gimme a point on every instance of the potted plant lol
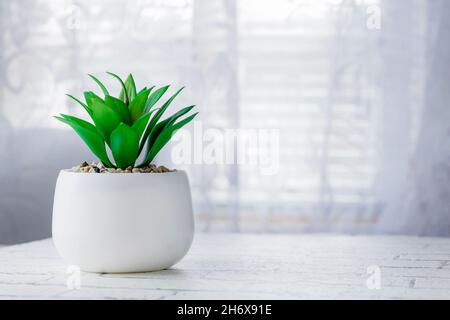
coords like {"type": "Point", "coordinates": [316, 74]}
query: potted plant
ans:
{"type": "Point", "coordinates": [124, 215]}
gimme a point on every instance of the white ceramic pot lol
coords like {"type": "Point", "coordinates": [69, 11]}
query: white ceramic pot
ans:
{"type": "Point", "coordinates": [122, 222]}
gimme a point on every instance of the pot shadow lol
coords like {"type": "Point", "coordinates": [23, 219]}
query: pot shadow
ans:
{"type": "Point", "coordinates": [170, 272]}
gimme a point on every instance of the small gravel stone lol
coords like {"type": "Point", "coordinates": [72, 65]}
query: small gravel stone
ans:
{"type": "Point", "coordinates": [164, 169]}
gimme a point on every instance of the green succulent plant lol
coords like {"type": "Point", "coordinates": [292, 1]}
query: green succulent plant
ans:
{"type": "Point", "coordinates": [127, 124]}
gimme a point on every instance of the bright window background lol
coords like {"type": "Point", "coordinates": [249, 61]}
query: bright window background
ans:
{"type": "Point", "coordinates": [309, 68]}
{"type": "Point", "coordinates": [350, 104]}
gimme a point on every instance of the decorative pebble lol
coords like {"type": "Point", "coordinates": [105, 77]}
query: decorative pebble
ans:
{"type": "Point", "coordinates": [164, 169]}
{"type": "Point", "coordinates": [95, 167]}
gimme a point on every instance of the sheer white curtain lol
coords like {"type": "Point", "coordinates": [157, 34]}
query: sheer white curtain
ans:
{"type": "Point", "coordinates": [356, 90]}
{"type": "Point", "coordinates": [422, 205]}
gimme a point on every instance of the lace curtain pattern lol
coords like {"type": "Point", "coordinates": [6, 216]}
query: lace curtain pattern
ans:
{"type": "Point", "coordinates": [356, 89]}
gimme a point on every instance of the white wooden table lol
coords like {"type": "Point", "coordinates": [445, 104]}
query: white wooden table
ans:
{"type": "Point", "coordinates": [234, 266]}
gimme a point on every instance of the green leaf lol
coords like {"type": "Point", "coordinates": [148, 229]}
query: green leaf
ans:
{"type": "Point", "coordinates": [165, 106]}
{"type": "Point", "coordinates": [80, 122]}
{"type": "Point", "coordinates": [130, 89]}
{"type": "Point", "coordinates": [165, 137]}
{"type": "Point", "coordinates": [124, 146]}
{"type": "Point", "coordinates": [88, 133]}
{"type": "Point", "coordinates": [89, 96]}
{"type": "Point", "coordinates": [155, 96]}
{"type": "Point", "coordinates": [120, 108]}
{"type": "Point", "coordinates": [105, 118]}
{"type": "Point", "coordinates": [145, 88]}
{"type": "Point", "coordinates": [84, 105]}
{"type": "Point", "coordinates": [140, 124]}
{"type": "Point", "coordinates": [105, 91]}
{"type": "Point", "coordinates": [126, 98]}
{"type": "Point", "coordinates": [164, 124]}
{"type": "Point", "coordinates": [158, 115]}
{"type": "Point", "coordinates": [137, 106]}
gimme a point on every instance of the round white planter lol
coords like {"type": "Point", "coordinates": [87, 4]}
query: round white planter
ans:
{"type": "Point", "coordinates": [122, 222]}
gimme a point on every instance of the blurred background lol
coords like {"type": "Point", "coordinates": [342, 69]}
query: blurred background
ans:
{"type": "Point", "coordinates": [359, 91]}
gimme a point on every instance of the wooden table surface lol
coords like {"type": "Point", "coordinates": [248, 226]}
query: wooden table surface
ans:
{"type": "Point", "coordinates": [248, 266]}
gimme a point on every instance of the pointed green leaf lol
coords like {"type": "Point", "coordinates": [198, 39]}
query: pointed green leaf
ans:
{"type": "Point", "coordinates": [89, 96]}
{"type": "Point", "coordinates": [137, 106]}
{"type": "Point", "coordinates": [80, 122]}
{"type": "Point", "coordinates": [124, 146]}
{"type": "Point", "coordinates": [105, 118]}
{"type": "Point", "coordinates": [140, 124]}
{"type": "Point", "coordinates": [165, 106]}
{"type": "Point", "coordinates": [90, 136]}
{"type": "Point", "coordinates": [158, 115]}
{"type": "Point", "coordinates": [126, 98]}
{"type": "Point", "coordinates": [155, 96]}
{"type": "Point", "coordinates": [130, 89]}
{"type": "Point", "coordinates": [145, 88]}
{"type": "Point", "coordinates": [159, 127]}
{"type": "Point", "coordinates": [84, 105]}
{"type": "Point", "coordinates": [105, 91]}
{"type": "Point", "coordinates": [120, 108]}
{"type": "Point", "coordinates": [165, 137]}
